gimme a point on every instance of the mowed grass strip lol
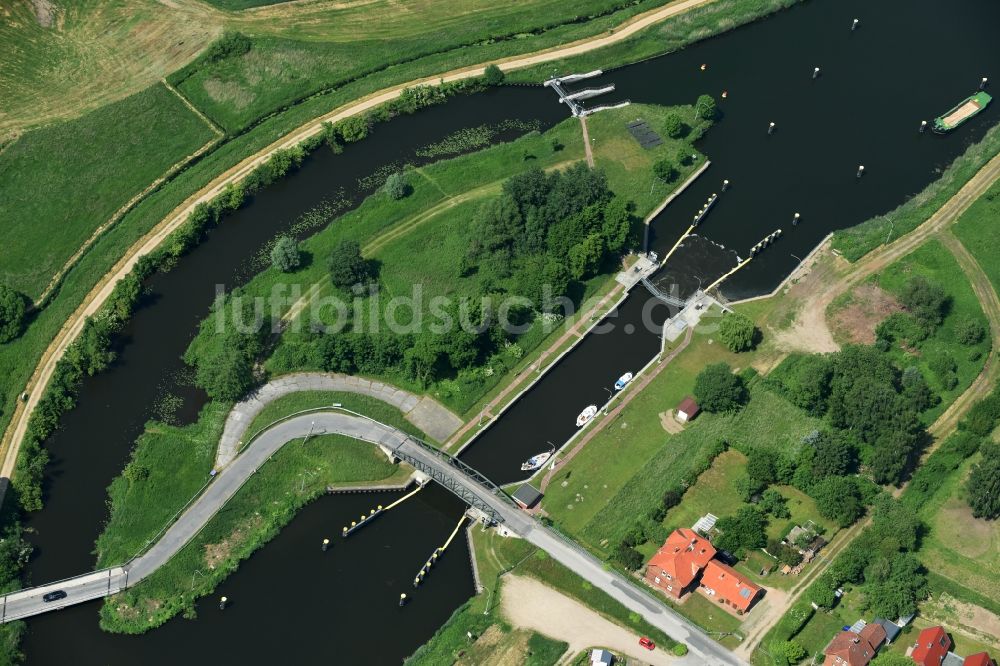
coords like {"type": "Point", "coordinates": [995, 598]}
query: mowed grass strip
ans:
{"type": "Point", "coordinates": [979, 231]}
{"type": "Point", "coordinates": [62, 182]}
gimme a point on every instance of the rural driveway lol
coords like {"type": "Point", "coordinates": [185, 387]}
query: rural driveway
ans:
{"type": "Point", "coordinates": [530, 604]}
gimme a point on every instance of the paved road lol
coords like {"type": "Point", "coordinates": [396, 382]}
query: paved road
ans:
{"type": "Point", "coordinates": [433, 418]}
{"type": "Point", "coordinates": [229, 481]}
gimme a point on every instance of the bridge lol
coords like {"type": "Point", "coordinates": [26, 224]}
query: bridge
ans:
{"type": "Point", "coordinates": [459, 478]}
{"type": "Point", "coordinates": [663, 296]}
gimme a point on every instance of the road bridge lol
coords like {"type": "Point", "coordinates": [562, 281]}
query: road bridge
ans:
{"type": "Point", "coordinates": [455, 475]}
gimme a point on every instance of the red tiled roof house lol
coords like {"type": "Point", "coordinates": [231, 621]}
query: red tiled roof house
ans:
{"type": "Point", "coordinates": [676, 565]}
{"type": "Point", "coordinates": [931, 647]}
{"type": "Point", "coordinates": [727, 586]}
{"type": "Point", "coordinates": [979, 659]}
{"type": "Point", "coordinates": [855, 649]}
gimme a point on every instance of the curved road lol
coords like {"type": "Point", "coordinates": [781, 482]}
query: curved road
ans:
{"type": "Point", "coordinates": [703, 650]}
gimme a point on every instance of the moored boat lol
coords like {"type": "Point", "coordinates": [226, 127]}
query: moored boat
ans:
{"type": "Point", "coordinates": [534, 462]}
{"type": "Point", "coordinates": [961, 112]}
{"type": "Point", "coordinates": [623, 381]}
{"type": "Point", "coordinates": [586, 415]}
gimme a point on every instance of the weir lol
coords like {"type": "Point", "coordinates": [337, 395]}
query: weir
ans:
{"type": "Point", "coordinates": [570, 99]}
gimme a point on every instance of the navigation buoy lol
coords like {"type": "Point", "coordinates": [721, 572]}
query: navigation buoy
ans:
{"type": "Point", "coordinates": [704, 67]}
{"type": "Point", "coordinates": [854, 26]}
{"type": "Point", "coordinates": [326, 544]}
{"type": "Point", "coordinates": [402, 599]}
{"type": "Point", "coordinates": [923, 125]}
{"type": "Point", "coordinates": [795, 219]}
{"type": "Point", "coordinates": [725, 94]}
{"type": "Point", "coordinates": [222, 603]}
{"type": "Point", "coordinates": [861, 170]}
{"type": "Point", "coordinates": [725, 185]}
{"type": "Point", "coordinates": [770, 128]}
{"type": "Point", "coordinates": [982, 84]}
{"type": "Point", "coordinates": [815, 72]}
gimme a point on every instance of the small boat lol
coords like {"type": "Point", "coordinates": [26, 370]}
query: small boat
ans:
{"type": "Point", "coordinates": [534, 462]}
{"type": "Point", "coordinates": [585, 416]}
{"type": "Point", "coordinates": [623, 380]}
{"type": "Point", "coordinates": [962, 111]}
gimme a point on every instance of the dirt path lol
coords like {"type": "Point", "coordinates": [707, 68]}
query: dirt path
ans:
{"type": "Point", "coordinates": [588, 151]}
{"type": "Point", "coordinates": [811, 323]}
{"type": "Point", "coordinates": [530, 604]}
{"type": "Point", "coordinates": [39, 380]}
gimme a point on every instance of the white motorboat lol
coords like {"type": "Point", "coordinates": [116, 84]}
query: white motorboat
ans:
{"type": "Point", "coordinates": [623, 381]}
{"type": "Point", "coordinates": [534, 462]}
{"type": "Point", "coordinates": [585, 416]}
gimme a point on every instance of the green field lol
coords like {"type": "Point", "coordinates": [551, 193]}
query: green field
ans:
{"type": "Point", "coordinates": [62, 182]}
{"type": "Point", "coordinates": [768, 421]}
{"type": "Point", "coordinates": [935, 262]}
{"type": "Point", "coordinates": [979, 231]}
{"type": "Point", "coordinates": [295, 475]}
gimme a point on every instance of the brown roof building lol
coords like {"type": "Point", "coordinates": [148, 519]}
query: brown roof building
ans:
{"type": "Point", "coordinates": [854, 649]}
{"type": "Point", "coordinates": [727, 586]}
{"type": "Point", "coordinates": [676, 565]}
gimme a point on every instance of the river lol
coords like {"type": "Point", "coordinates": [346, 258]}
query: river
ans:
{"type": "Point", "coordinates": [905, 63]}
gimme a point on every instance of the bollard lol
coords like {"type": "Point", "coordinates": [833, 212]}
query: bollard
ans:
{"type": "Point", "coordinates": [982, 84]}
{"type": "Point", "coordinates": [345, 531]}
{"type": "Point", "coordinates": [371, 513]}
{"type": "Point", "coordinates": [222, 603]}
{"type": "Point", "coordinates": [815, 72]}
{"type": "Point", "coordinates": [923, 125]}
{"type": "Point", "coordinates": [795, 219]}
{"type": "Point", "coordinates": [854, 26]}
{"type": "Point", "coordinates": [326, 544]}
{"type": "Point", "coordinates": [725, 185]}
{"type": "Point", "coordinates": [861, 170]}
{"type": "Point", "coordinates": [402, 599]}
{"type": "Point", "coordinates": [770, 128]}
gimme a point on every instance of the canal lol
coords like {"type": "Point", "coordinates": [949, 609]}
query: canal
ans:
{"type": "Point", "coordinates": [291, 602]}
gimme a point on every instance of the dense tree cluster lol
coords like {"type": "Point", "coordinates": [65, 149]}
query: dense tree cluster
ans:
{"type": "Point", "coordinates": [545, 231]}
{"type": "Point", "coordinates": [347, 266]}
{"type": "Point", "coordinates": [741, 532]}
{"type": "Point", "coordinates": [983, 485]}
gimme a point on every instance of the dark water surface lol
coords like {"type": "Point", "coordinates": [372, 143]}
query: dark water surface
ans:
{"type": "Point", "coordinates": [909, 61]}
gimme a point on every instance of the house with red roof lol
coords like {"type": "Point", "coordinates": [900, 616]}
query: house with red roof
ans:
{"type": "Point", "coordinates": [979, 659]}
{"type": "Point", "coordinates": [855, 649]}
{"type": "Point", "coordinates": [931, 647]}
{"type": "Point", "coordinates": [676, 565]}
{"type": "Point", "coordinates": [727, 586]}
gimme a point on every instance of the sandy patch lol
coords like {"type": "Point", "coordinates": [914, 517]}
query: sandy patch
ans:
{"type": "Point", "coordinates": [669, 423]}
{"type": "Point", "coordinates": [969, 619]}
{"type": "Point", "coordinates": [855, 322]}
{"type": "Point", "coordinates": [45, 12]}
{"type": "Point", "coordinates": [495, 648]}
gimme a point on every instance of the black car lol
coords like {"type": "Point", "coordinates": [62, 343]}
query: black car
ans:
{"type": "Point", "coordinates": [53, 596]}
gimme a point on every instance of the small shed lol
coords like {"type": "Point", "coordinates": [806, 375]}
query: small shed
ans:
{"type": "Point", "coordinates": [687, 410]}
{"type": "Point", "coordinates": [527, 496]}
{"type": "Point", "coordinates": [600, 657]}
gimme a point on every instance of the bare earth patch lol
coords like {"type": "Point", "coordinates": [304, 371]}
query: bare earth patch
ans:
{"type": "Point", "coordinates": [495, 648]}
{"type": "Point", "coordinates": [868, 305]}
{"type": "Point", "coordinates": [217, 553]}
{"type": "Point", "coordinates": [974, 621]}
{"type": "Point", "coordinates": [669, 423]}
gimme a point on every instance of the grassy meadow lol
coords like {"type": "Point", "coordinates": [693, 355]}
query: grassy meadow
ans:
{"type": "Point", "coordinates": [62, 182]}
{"type": "Point", "coordinates": [979, 231]}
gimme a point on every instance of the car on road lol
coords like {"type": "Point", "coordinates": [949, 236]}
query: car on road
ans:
{"type": "Point", "coordinates": [646, 643]}
{"type": "Point", "coordinates": [55, 595]}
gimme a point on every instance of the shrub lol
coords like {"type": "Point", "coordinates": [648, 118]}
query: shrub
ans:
{"type": "Point", "coordinates": [679, 650]}
{"type": "Point", "coordinates": [927, 301]}
{"type": "Point", "coordinates": [665, 171]}
{"type": "Point", "coordinates": [230, 44]}
{"type": "Point", "coordinates": [983, 486]}
{"type": "Point", "coordinates": [737, 332]}
{"type": "Point", "coordinates": [347, 266]}
{"type": "Point", "coordinates": [396, 186]}
{"type": "Point", "coordinates": [493, 75]}
{"type": "Point", "coordinates": [742, 532]}
{"type": "Point", "coordinates": [12, 312]}
{"type": "Point", "coordinates": [628, 557]}
{"type": "Point", "coordinates": [285, 254]}
{"type": "Point", "coordinates": [706, 107]}
{"type": "Point", "coordinates": [717, 389]}
{"type": "Point", "coordinates": [673, 126]}
{"type": "Point", "coordinates": [969, 330]}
